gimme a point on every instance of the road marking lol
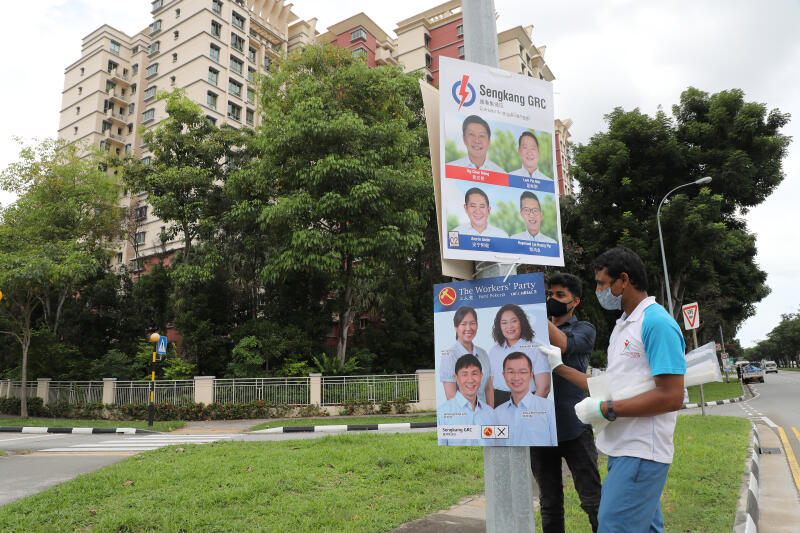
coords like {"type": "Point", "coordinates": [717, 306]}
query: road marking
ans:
{"type": "Point", "coordinates": [796, 433]}
{"type": "Point", "coordinates": [25, 438]}
{"type": "Point", "coordinates": [769, 422]}
{"type": "Point", "coordinates": [75, 454]}
{"type": "Point", "coordinates": [138, 444]}
{"type": "Point", "coordinates": [787, 448]}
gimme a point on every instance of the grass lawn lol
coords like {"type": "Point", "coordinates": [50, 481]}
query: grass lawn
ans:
{"type": "Point", "coordinates": [790, 369]}
{"type": "Point", "coordinates": [716, 390]}
{"type": "Point", "coordinates": [353, 483]}
{"type": "Point", "coordinates": [64, 423]}
{"type": "Point", "coordinates": [344, 420]}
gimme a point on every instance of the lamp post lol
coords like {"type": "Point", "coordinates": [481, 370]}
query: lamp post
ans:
{"type": "Point", "coordinates": [701, 181]}
{"type": "Point", "coordinates": [154, 337]}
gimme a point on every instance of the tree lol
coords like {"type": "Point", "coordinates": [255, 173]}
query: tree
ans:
{"type": "Point", "coordinates": [344, 149]}
{"type": "Point", "coordinates": [625, 172]}
{"type": "Point", "coordinates": [57, 234]}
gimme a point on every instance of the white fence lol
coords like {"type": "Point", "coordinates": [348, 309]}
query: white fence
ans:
{"type": "Point", "coordinates": [176, 392]}
{"type": "Point", "coordinates": [291, 391]}
{"type": "Point", "coordinates": [75, 392]}
{"type": "Point", "coordinates": [375, 389]}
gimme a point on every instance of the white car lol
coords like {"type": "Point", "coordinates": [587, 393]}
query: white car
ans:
{"type": "Point", "coordinates": [770, 366]}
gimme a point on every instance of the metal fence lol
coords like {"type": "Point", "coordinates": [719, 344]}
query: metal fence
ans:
{"type": "Point", "coordinates": [16, 389]}
{"type": "Point", "coordinates": [377, 389]}
{"type": "Point", "coordinates": [75, 392]}
{"type": "Point", "coordinates": [177, 392]}
{"type": "Point", "coordinates": [292, 391]}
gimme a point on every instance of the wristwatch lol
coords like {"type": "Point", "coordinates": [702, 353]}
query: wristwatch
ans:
{"type": "Point", "coordinates": [610, 415]}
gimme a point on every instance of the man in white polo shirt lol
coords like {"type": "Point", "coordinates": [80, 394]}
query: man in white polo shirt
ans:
{"type": "Point", "coordinates": [476, 205]}
{"type": "Point", "coordinates": [646, 341]}
{"type": "Point", "coordinates": [477, 137]}
{"type": "Point", "coordinates": [529, 153]}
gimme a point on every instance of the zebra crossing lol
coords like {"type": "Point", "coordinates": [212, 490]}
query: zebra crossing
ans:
{"type": "Point", "coordinates": [137, 444]}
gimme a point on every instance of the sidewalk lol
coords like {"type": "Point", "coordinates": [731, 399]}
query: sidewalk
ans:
{"type": "Point", "coordinates": [778, 503]}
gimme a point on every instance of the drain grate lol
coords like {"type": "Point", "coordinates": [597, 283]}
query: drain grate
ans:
{"type": "Point", "coordinates": [771, 450]}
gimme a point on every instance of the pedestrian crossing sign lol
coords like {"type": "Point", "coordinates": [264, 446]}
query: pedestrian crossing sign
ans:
{"type": "Point", "coordinates": [162, 346]}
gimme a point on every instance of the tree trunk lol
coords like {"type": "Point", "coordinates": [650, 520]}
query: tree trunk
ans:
{"type": "Point", "coordinates": [345, 315]}
{"type": "Point", "coordinates": [26, 342]}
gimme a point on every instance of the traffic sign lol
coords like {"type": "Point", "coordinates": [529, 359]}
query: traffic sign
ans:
{"type": "Point", "coordinates": [691, 316]}
{"type": "Point", "coordinates": [162, 346]}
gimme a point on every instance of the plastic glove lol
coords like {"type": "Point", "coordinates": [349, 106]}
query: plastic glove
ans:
{"type": "Point", "coordinates": [553, 356]}
{"type": "Point", "coordinates": [588, 411]}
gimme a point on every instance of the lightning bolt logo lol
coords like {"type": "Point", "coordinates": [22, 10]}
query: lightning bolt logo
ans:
{"type": "Point", "coordinates": [462, 91]}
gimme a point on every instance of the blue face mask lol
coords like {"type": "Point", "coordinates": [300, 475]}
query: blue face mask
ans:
{"type": "Point", "coordinates": [608, 300]}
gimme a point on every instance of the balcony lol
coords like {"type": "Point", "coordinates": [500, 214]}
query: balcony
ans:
{"type": "Point", "coordinates": [118, 96]}
{"type": "Point", "coordinates": [114, 137]}
{"type": "Point", "coordinates": [119, 117]}
{"type": "Point", "coordinates": [116, 76]}
{"type": "Point", "coordinates": [383, 56]}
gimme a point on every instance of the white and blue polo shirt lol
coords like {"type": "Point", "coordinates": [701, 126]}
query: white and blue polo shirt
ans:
{"type": "Point", "coordinates": [646, 343]}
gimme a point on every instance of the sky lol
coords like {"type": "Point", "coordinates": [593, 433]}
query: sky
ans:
{"type": "Point", "coordinates": [604, 54]}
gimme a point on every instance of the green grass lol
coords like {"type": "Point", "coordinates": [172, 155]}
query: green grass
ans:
{"type": "Point", "coordinates": [716, 390]}
{"type": "Point", "coordinates": [348, 483]}
{"type": "Point", "coordinates": [336, 420]}
{"type": "Point", "coordinates": [789, 369]}
{"type": "Point", "coordinates": [65, 423]}
{"type": "Point", "coordinates": [703, 483]}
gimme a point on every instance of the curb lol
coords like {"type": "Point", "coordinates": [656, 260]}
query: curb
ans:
{"type": "Point", "coordinates": [717, 402]}
{"type": "Point", "coordinates": [348, 427]}
{"type": "Point", "coordinates": [75, 431]}
{"type": "Point", "coordinates": [748, 501]}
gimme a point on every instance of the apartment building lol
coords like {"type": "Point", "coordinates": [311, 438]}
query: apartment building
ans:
{"type": "Point", "coordinates": [364, 38]}
{"type": "Point", "coordinates": [212, 49]}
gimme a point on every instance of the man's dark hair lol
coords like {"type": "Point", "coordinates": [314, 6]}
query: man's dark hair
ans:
{"type": "Point", "coordinates": [467, 360]}
{"type": "Point", "coordinates": [530, 195]}
{"type": "Point", "coordinates": [475, 190]}
{"type": "Point", "coordinates": [461, 312]}
{"type": "Point", "coordinates": [570, 282]}
{"type": "Point", "coordinates": [517, 355]}
{"type": "Point", "coordinates": [528, 134]}
{"type": "Point", "coordinates": [621, 259]}
{"type": "Point", "coordinates": [475, 119]}
{"type": "Point", "coordinates": [526, 331]}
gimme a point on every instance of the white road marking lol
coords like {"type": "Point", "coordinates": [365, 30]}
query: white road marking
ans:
{"type": "Point", "coordinates": [140, 444]}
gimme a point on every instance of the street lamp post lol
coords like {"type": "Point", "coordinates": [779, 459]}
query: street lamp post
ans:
{"type": "Point", "coordinates": [154, 337]}
{"type": "Point", "coordinates": [701, 181]}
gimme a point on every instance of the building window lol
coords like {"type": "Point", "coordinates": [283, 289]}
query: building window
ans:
{"type": "Point", "coordinates": [80, 90]}
{"type": "Point", "coordinates": [235, 88]}
{"type": "Point", "coordinates": [155, 47]}
{"type": "Point", "coordinates": [78, 110]}
{"type": "Point", "coordinates": [237, 42]}
{"type": "Point", "coordinates": [141, 212]}
{"type": "Point", "coordinates": [460, 30]}
{"type": "Point", "coordinates": [359, 52]}
{"type": "Point", "coordinates": [75, 130]}
{"type": "Point", "coordinates": [172, 81]}
{"type": "Point", "coordinates": [211, 120]}
{"type": "Point", "coordinates": [428, 60]}
{"type": "Point", "coordinates": [135, 68]}
{"type": "Point", "coordinates": [250, 116]}
{"type": "Point", "coordinates": [135, 49]}
{"type": "Point", "coordinates": [119, 257]}
{"type": "Point", "coordinates": [157, 4]}
{"type": "Point", "coordinates": [238, 20]}
{"type": "Point", "coordinates": [427, 41]}
{"type": "Point", "coordinates": [234, 111]}
{"type": "Point", "coordinates": [150, 92]}
{"type": "Point", "coordinates": [176, 34]}
{"type": "Point", "coordinates": [175, 58]}
{"type": "Point", "coordinates": [177, 13]}
{"type": "Point", "coordinates": [267, 62]}
{"type": "Point", "coordinates": [81, 71]}
{"type": "Point", "coordinates": [131, 108]}
{"type": "Point", "coordinates": [155, 26]}
{"type": "Point", "coordinates": [251, 96]}
{"type": "Point", "coordinates": [461, 51]}
{"type": "Point", "coordinates": [216, 29]}
{"type": "Point", "coordinates": [133, 89]}
{"type": "Point", "coordinates": [148, 115]}
{"type": "Point", "coordinates": [115, 48]}
{"type": "Point", "coordinates": [152, 70]}
{"type": "Point", "coordinates": [358, 34]}
{"type": "Point", "coordinates": [251, 75]}
{"type": "Point", "coordinates": [128, 148]}
{"type": "Point", "coordinates": [363, 322]}
{"type": "Point", "coordinates": [213, 53]}
{"type": "Point", "coordinates": [211, 100]}
{"type": "Point", "coordinates": [105, 126]}
{"type": "Point", "coordinates": [130, 129]}
{"type": "Point", "coordinates": [139, 237]}
{"type": "Point", "coordinates": [251, 54]}
{"type": "Point", "coordinates": [147, 160]}
{"type": "Point", "coordinates": [213, 76]}
{"type": "Point", "coordinates": [237, 65]}
{"type": "Point", "coordinates": [216, 6]}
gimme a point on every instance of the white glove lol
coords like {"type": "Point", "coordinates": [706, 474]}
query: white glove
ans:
{"type": "Point", "coordinates": [553, 354]}
{"type": "Point", "coordinates": [588, 411]}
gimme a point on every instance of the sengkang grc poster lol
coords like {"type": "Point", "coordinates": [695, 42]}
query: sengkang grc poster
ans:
{"type": "Point", "coordinates": [498, 166]}
{"type": "Point", "coordinates": [493, 384]}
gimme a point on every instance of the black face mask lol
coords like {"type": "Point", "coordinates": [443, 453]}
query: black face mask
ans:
{"type": "Point", "coordinates": [556, 308]}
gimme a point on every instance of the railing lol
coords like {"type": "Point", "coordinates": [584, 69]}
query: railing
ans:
{"type": "Point", "coordinates": [120, 96]}
{"type": "Point", "coordinates": [376, 389]}
{"type": "Point", "coordinates": [177, 392]}
{"type": "Point", "coordinates": [115, 74]}
{"type": "Point", "coordinates": [16, 389]}
{"type": "Point", "coordinates": [114, 136]}
{"type": "Point", "coordinates": [118, 116]}
{"type": "Point", "coordinates": [292, 391]}
{"type": "Point", "coordinates": [75, 392]}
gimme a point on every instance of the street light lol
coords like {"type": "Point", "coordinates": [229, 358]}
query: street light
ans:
{"type": "Point", "coordinates": [701, 181]}
{"type": "Point", "coordinates": [154, 338]}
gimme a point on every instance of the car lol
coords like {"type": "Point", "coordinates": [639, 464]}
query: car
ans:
{"type": "Point", "coordinates": [770, 366]}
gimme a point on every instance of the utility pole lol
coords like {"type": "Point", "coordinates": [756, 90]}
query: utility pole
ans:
{"type": "Point", "coordinates": [507, 477]}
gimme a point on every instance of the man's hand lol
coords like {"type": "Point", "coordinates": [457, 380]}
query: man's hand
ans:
{"type": "Point", "coordinates": [553, 354]}
{"type": "Point", "coordinates": [588, 411]}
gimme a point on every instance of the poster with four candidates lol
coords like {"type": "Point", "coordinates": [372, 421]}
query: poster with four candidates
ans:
{"type": "Point", "coordinates": [493, 385]}
{"type": "Point", "coordinates": [499, 195]}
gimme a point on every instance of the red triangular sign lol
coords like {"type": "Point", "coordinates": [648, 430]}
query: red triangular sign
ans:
{"type": "Point", "coordinates": [690, 313]}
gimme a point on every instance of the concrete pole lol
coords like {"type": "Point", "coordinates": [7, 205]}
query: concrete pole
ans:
{"type": "Point", "coordinates": [507, 478]}
{"type": "Point", "coordinates": [702, 397]}
{"type": "Point", "coordinates": [722, 340]}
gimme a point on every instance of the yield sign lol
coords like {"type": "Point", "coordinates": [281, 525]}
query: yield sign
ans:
{"type": "Point", "coordinates": [691, 316]}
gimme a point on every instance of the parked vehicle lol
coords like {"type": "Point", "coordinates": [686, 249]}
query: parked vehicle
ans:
{"type": "Point", "coordinates": [770, 366]}
{"type": "Point", "coordinates": [749, 372]}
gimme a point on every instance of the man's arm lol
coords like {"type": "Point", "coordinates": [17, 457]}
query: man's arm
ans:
{"type": "Point", "coordinates": [665, 398]}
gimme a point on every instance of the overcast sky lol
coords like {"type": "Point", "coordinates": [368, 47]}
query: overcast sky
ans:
{"type": "Point", "coordinates": [603, 53]}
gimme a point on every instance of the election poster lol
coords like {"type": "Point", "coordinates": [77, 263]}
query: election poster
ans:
{"type": "Point", "coordinates": [498, 166]}
{"type": "Point", "coordinates": [493, 384]}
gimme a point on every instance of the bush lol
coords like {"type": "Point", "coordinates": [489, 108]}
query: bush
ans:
{"type": "Point", "coordinates": [357, 407]}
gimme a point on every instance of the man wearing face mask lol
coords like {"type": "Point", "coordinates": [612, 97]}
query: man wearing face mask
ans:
{"type": "Point", "coordinates": [574, 340]}
{"type": "Point", "coordinates": [646, 341]}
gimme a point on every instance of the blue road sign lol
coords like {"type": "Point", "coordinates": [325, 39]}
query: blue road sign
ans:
{"type": "Point", "coordinates": [162, 346]}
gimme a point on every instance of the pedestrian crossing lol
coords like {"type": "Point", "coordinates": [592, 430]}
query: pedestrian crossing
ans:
{"type": "Point", "coordinates": [137, 444]}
